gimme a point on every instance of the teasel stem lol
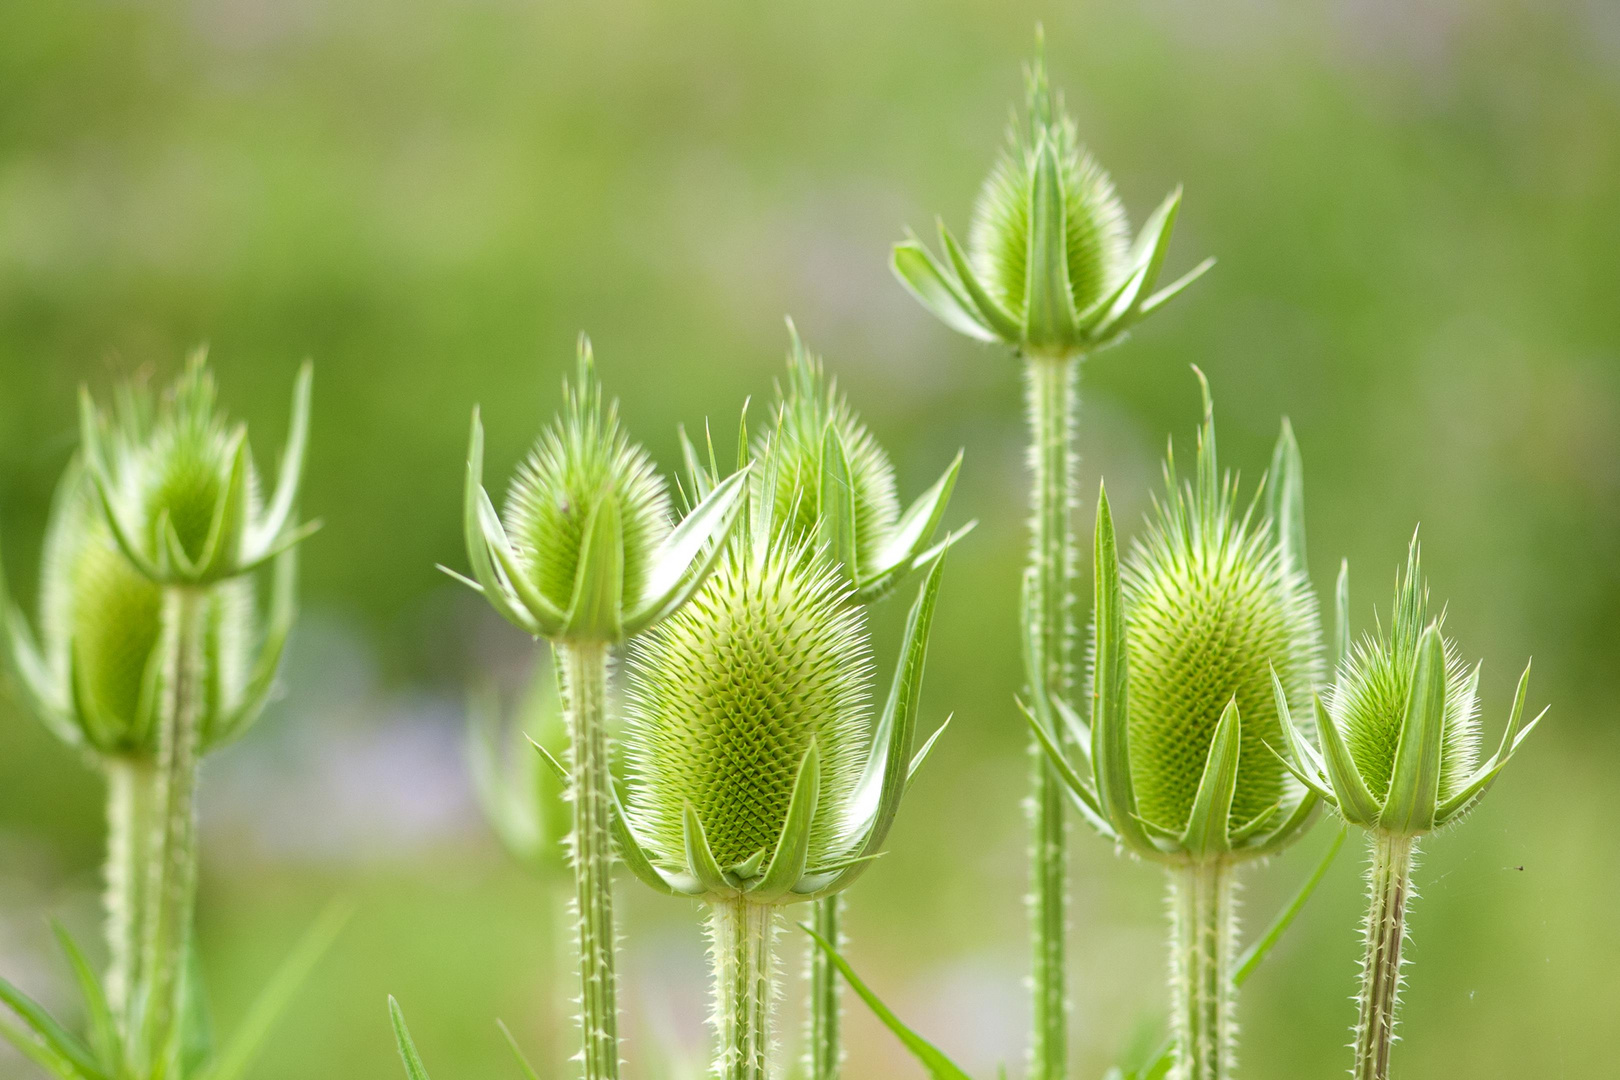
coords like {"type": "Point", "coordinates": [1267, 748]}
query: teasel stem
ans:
{"type": "Point", "coordinates": [742, 939]}
{"type": "Point", "coordinates": [825, 1053]}
{"type": "Point", "coordinates": [132, 789]}
{"type": "Point", "coordinates": [172, 874]}
{"type": "Point", "coordinates": [1203, 918]}
{"type": "Point", "coordinates": [583, 672]}
{"type": "Point", "coordinates": [1052, 394]}
{"type": "Point", "coordinates": [1389, 889]}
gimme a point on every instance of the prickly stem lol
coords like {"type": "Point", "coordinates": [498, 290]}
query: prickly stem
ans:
{"type": "Point", "coordinates": [742, 938]}
{"type": "Point", "coordinates": [824, 1046]}
{"type": "Point", "coordinates": [583, 682]}
{"type": "Point", "coordinates": [132, 788]}
{"type": "Point", "coordinates": [1203, 917]}
{"type": "Point", "coordinates": [171, 887]}
{"type": "Point", "coordinates": [1052, 401]}
{"type": "Point", "coordinates": [1389, 889]}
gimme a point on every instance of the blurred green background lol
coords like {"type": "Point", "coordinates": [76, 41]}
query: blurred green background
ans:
{"type": "Point", "coordinates": [1416, 207]}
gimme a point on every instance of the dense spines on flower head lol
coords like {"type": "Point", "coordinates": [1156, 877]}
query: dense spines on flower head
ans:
{"type": "Point", "coordinates": [729, 694]}
{"type": "Point", "coordinates": [810, 410]}
{"type": "Point", "coordinates": [583, 461]}
{"type": "Point", "coordinates": [1211, 609]}
{"type": "Point", "coordinates": [187, 466]}
{"type": "Point", "coordinates": [1096, 231]}
{"type": "Point", "coordinates": [1368, 701]}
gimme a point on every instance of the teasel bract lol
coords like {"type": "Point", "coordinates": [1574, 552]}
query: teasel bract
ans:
{"type": "Point", "coordinates": [586, 557]}
{"type": "Point", "coordinates": [823, 482]}
{"type": "Point", "coordinates": [1210, 629]}
{"type": "Point", "coordinates": [1052, 273]}
{"type": "Point", "coordinates": [1399, 758]}
{"type": "Point", "coordinates": [153, 652]}
{"type": "Point", "coordinates": [758, 777]}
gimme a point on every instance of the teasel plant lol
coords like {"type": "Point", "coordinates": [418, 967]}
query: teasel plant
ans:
{"type": "Point", "coordinates": [1208, 631]}
{"type": "Point", "coordinates": [154, 652]}
{"type": "Point", "coordinates": [1396, 755]}
{"type": "Point", "coordinates": [586, 557]}
{"type": "Point", "coordinates": [1051, 272]}
{"type": "Point", "coordinates": [757, 775]}
{"type": "Point", "coordinates": [824, 483]}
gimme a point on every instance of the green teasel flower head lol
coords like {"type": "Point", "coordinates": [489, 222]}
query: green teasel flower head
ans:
{"type": "Point", "coordinates": [586, 551]}
{"type": "Point", "coordinates": [177, 483]}
{"type": "Point", "coordinates": [1400, 734]}
{"type": "Point", "coordinates": [1211, 603]}
{"type": "Point", "coordinates": [1050, 268]}
{"type": "Point", "coordinates": [96, 675]}
{"type": "Point", "coordinates": [823, 480]}
{"type": "Point", "coordinates": [757, 770]}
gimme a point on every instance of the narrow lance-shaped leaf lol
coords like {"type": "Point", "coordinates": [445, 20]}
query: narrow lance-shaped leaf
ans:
{"type": "Point", "coordinates": [1049, 318]}
{"type": "Point", "coordinates": [994, 315]}
{"type": "Point", "coordinates": [414, 1069]}
{"type": "Point", "coordinates": [1354, 800]}
{"type": "Point", "coordinates": [793, 847]}
{"type": "Point", "coordinates": [478, 551]}
{"type": "Point", "coordinates": [1414, 786]}
{"type": "Point", "coordinates": [837, 496]}
{"type": "Point", "coordinates": [50, 1033]}
{"type": "Point", "coordinates": [597, 606]}
{"type": "Point", "coordinates": [928, 282]}
{"type": "Point", "coordinates": [700, 858]}
{"type": "Point", "coordinates": [1285, 499]}
{"type": "Point", "coordinates": [292, 460]}
{"type": "Point", "coordinates": [1206, 834]}
{"type": "Point", "coordinates": [1110, 750]}
{"type": "Point", "coordinates": [691, 551]}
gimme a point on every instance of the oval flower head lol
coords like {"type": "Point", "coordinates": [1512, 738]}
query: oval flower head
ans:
{"type": "Point", "coordinates": [1400, 734]}
{"type": "Point", "coordinates": [823, 479]}
{"type": "Point", "coordinates": [96, 674]}
{"type": "Point", "coordinates": [1211, 603]}
{"type": "Point", "coordinates": [178, 487]}
{"type": "Point", "coordinates": [585, 551]}
{"type": "Point", "coordinates": [1050, 267]}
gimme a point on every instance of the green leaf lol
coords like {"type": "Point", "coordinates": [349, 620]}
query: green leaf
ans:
{"type": "Point", "coordinates": [1356, 804]}
{"type": "Point", "coordinates": [691, 551]}
{"type": "Point", "coordinates": [51, 1034]}
{"type": "Point", "coordinates": [1285, 499]}
{"type": "Point", "coordinates": [929, 283]}
{"type": "Point", "coordinates": [994, 315]}
{"type": "Point", "coordinates": [1485, 776]}
{"type": "Point", "coordinates": [1341, 614]}
{"type": "Point", "coordinates": [478, 542]}
{"type": "Point", "coordinates": [1414, 786]}
{"type": "Point", "coordinates": [700, 858]}
{"type": "Point", "coordinates": [630, 848]}
{"type": "Point", "coordinates": [1255, 954]}
{"type": "Point", "coordinates": [932, 1058]}
{"type": "Point", "coordinates": [1208, 823]}
{"type": "Point", "coordinates": [230, 513]}
{"type": "Point", "coordinates": [917, 525]}
{"type": "Point", "coordinates": [793, 847]}
{"type": "Point", "coordinates": [517, 1052]}
{"type": "Point", "coordinates": [1084, 798]}
{"type": "Point", "coordinates": [1110, 749]}
{"type": "Point", "coordinates": [103, 1028]}
{"type": "Point", "coordinates": [244, 1044]}
{"type": "Point", "coordinates": [1174, 289]}
{"type": "Point", "coordinates": [836, 521]}
{"type": "Point", "coordinates": [291, 471]}
{"type": "Point", "coordinates": [37, 1052]}
{"type": "Point", "coordinates": [597, 606]}
{"type": "Point", "coordinates": [407, 1049]}
{"type": "Point", "coordinates": [1049, 319]}
{"type": "Point", "coordinates": [921, 756]}
{"type": "Point", "coordinates": [262, 681]}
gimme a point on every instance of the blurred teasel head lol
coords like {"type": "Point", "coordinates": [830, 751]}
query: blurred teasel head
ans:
{"type": "Point", "coordinates": [1400, 733]}
{"type": "Point", "coordinates": [757, 770]}
{"type": "Point", "coordinates": [177, 483]}
{"type": "Point", "coordinates": [1050, 269]}
{"type": "Point", "coordinates": [823, 481]}
{"type": "Point", "coordinates": [96, 674]}
{"type": "Point", "coordinates": [585, 550]}
{"type": "Point", "coordinates": [1210, 604]}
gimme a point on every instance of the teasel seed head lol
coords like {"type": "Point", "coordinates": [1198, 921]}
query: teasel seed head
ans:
{"type": "Point", "coordinates": [823, 481]}
{"type": "Point", "coordinates": [1400, 733]}
{"type": "Point", "coordinates": [1212, 601]}
{"type": "Point", "coordinates": [758, 769]}
{"type": "Point", "coordinates": [1050, 267]}
{"type": "Point", "coordinates": [177, 484]}
{"type": "Point", "coordinates": [162, 479]}
{"type": "Point", "coordinates": [586, 551]}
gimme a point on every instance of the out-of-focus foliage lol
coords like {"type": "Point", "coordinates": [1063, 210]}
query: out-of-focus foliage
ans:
{"type": "Point", "coordinates": [1417, 214]}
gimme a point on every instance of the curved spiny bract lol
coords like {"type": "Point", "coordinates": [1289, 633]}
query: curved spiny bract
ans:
{"type": "Point", "coordinates": [1050, 268]}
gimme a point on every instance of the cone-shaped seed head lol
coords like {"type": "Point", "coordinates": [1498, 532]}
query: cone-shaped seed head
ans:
{"type": "Point", "coordinates": [1368, 700]}
{"type": "Point", "coordinates": [581, 462]}
{"type": "Point", "coordinates": [728, 694]}
{"type": "Point", "coordinates": [1097, 232]}
{"type": "Point", "coordinates": [1210, 610]}
{"type": "Point", "coordinates": [808, 406]}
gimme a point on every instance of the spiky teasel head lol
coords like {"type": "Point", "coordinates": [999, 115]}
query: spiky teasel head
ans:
{"type": "Point", "coordinates": [757, 768]}
{"type": "Point", "coordinates": [1211, 602]}
{"type": "Point", "coordinates": [1400, 734]}
{"type": "Point", "coordinates": [823, 481]}
{"type": "Point", "coordinates": [96, 675]}
{"type": "Point", "coordinates": [1050, 268]}
{"type": "Point", "coordinates": [177, 485]}
{"type": "Point", "coordinates": [586, 551]}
